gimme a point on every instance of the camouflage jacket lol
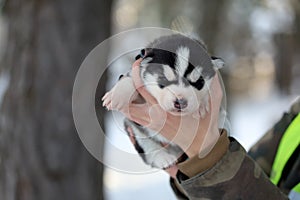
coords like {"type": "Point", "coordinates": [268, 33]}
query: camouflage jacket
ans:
{"type": "Point", "coordinates": [264, 151]}
{"type": "Point", "coordinates": [228, 172]}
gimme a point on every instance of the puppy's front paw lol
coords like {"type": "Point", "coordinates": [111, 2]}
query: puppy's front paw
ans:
{"type": "Point", "coordinates": [108, 101]}
{"type": "Point", "coordinates": [113, 101]}
{"type": "Point", "coordinates": [120, 95]}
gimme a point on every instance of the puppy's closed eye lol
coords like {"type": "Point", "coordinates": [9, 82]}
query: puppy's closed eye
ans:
{"type": "Point", "coordinates": [199, 83]}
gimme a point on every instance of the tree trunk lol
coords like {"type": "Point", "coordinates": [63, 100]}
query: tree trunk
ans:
{"type": "Point", "coordinates": [41, 156]}
{"type": "Point", "coordinates": [285, 51]}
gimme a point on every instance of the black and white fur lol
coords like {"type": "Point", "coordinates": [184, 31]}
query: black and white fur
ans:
{"type": "Point", "coordinates": [177, 72]}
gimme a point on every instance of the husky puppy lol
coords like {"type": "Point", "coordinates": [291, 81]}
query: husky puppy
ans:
{"type": "Point", "coordinates": [177, 71]}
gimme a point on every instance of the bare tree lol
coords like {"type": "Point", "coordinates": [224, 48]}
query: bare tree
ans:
{"type": "Point", "coordinates": [287, 51]}
{"type": "Point", "coordinates": [41, 156]}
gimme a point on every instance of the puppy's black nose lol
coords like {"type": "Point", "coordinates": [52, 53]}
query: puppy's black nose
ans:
{"type": "Point", "coordinates": [180, 103]}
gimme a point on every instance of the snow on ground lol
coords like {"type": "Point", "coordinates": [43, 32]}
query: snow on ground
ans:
{"type": "Point", "coordinates": [250, 119]}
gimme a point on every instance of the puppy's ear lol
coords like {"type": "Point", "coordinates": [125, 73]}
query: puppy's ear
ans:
{"type": "Point", "coordinates": [149, 52]}
{"type": "Point", "coordinates": [217, 62]}
{"type": "Point", "coordinates": [141, 55]}
{"type": "Point", "coordinates": [144, 53]}
{"type": "Point", "coordinates": [147, 56]}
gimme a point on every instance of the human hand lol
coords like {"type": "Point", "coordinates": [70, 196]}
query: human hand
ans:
{"type": "Point", "coordinates": [195, 135]}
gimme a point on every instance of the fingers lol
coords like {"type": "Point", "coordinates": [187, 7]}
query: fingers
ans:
{"type": "Point", "coordinates": [212, 134]}
{"type": "Point", "coordinates": [217, 89]}
{"type": "Point", "coordinates": [136, 73]}
{"type": "Point", "coordinates": [216, 95]}
{"type": "Point", "coordinates": [147, 115]}
{"type": "Point", "coordinates": [139, 85]}
{"type": "Point", "coordinates": [138, 113]}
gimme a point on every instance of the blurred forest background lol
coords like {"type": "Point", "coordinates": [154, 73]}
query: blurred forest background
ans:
{"type": "Point", "coordinates": [42, 44]}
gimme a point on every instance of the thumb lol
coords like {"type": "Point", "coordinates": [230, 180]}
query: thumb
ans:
{"type": "Point", "coordinates": [139, 85]}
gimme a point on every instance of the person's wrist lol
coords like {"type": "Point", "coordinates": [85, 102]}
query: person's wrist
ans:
{"type": "Point", "coordinates": [201, 146]}
{"type": "Point", "coordinates": [196, 165]}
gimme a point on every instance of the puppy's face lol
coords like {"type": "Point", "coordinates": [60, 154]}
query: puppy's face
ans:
{"type": "Point", "coordinates": [178, 85]}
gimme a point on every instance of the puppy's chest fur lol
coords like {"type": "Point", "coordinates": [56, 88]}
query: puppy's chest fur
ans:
{"type": "Point", "coordinates": [177, 71]}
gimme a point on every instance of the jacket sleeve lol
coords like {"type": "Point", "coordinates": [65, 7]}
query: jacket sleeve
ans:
{"type": "Point", "coordinates": [227, 172]}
